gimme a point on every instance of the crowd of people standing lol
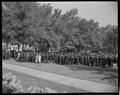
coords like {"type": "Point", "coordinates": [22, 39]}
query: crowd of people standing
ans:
{"type": "Point", "coordinates": [62, 58]}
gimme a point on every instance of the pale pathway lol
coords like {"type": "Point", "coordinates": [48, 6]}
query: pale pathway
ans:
{"type": "Point", "coordinates": [69, 81]}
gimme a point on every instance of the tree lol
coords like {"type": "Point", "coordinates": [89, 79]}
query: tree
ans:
{"type": "Point", "coordinates": [110, 38]}
{"type": "Point", "coordinates": [27, 21]}
{"type": "Point", "coordinates": [41, 26]}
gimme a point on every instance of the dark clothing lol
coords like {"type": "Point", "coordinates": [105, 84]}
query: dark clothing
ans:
{"type": "Point", "coordinates": [12, 52]}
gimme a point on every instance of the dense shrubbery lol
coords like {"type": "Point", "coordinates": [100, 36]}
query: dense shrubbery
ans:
{"type": "Point", "coordinates": [11, 85]}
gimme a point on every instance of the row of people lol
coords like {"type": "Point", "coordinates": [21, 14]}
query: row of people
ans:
{"type": "Point", "coordinates": [70, 59]}
{"type": "Point", "coordinates": [83, 59]}
{"type": "Point", "coordinates": [98, 60]}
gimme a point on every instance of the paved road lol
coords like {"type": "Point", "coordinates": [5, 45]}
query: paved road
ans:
{"type": "Point", "coordinates": [78, 83]}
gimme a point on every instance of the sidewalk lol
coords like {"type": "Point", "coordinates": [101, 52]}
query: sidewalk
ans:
{"type": "Point", "coordinates": [78, 83]}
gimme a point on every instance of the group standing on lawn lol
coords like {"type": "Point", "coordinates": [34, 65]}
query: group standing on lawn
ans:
{"type": "Point", "coordinates": [62, 58]}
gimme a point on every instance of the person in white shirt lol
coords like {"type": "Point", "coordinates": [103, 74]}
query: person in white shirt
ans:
{"type": "Point", "coordinates": [20, 48]}
{"type": "Point", "coordinates": [38, 58]}
{"type": "Point", "coordinates": [11, 47]}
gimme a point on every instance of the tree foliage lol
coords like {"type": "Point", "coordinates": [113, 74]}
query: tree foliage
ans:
{"type": "Point", "coordinates": [42, 26]}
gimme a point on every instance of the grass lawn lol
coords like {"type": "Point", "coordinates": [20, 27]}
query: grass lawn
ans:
{"type": "Point", "coordinates": [107, 76]}
{"type": "Point", "coordinates": [27, 81]}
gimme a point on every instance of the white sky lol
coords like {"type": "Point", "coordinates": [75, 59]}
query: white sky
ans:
{"type": "Point", "coordinates": [102, 12]}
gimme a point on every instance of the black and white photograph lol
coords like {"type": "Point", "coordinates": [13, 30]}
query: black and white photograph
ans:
{"type": "Point", "coordinates": [60, 47]}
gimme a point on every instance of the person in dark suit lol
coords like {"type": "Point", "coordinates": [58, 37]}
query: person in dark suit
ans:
{"type": "Point", "coordinates": [12, 51]}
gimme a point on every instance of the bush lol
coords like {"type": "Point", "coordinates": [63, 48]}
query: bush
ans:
{"type": "Point", "coordinates": [10, 84]}
{"type": "Point", "coordinates": [35, 89]}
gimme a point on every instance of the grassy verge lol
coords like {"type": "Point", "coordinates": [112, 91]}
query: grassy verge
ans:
{"type": "Point", "coordinates": [27, 81]}
{"type": "Point", "coordinates": [104, 75]}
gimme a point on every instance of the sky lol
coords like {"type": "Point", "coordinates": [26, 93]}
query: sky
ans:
{"type": "Point", "coordinates": [103, 12]}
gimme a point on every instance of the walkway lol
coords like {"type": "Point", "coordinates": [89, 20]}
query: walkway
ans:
{"type": "Point", "coordinates": [78, 83]}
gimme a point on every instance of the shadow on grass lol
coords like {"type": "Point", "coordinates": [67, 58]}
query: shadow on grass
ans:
{"type": "Point", "coordinates": [109, 74]}
{"type": "Point", "coordinates": [111, 77]}
{"type": "Point", "coordinates": [90, 68]}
